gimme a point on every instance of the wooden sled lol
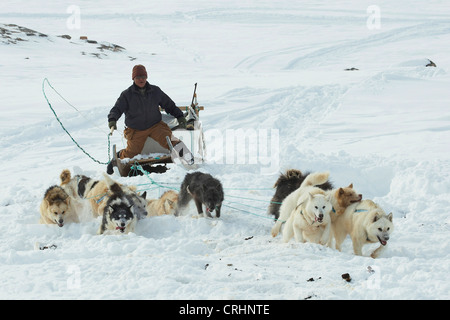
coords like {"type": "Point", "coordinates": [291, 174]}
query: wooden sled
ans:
{"type": "Point", "coordinates": [154, 158]}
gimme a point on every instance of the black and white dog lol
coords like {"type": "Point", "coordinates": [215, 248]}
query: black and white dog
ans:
{"type": "Point", "coordinates": [204, 189]}
{"type": "Point", "coordinates": [118, 213]}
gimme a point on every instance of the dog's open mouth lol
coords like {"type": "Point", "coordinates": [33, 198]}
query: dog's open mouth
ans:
{"type": "Point", "coordinates": [318, 219]}
{"type": "Point", "coordinates": [122, 229]}
{"type": "Point", "coordinates": [383, 242]}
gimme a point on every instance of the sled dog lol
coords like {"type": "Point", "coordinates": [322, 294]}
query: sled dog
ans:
{"type": "Point", "coordinates": [310, 221]}
{"type": "Point", "coordinates": [340, 198]}
{"type": "Point", "coordinates": [286, 184]}
{"type": "Point", "coordinates": [166, 204]}
{"type": "Point", "coordinates": [204, 189]}
{"type": "Point", "coordinates": [292, 200]}
{"type": "Point", "coordinates": [97, 193]}
{"type": "Point", "coordinates": [57, 207]}
{"type": "Point", "coordinates": [118, 212]}
{"type": "Point", "coordinates": [365, 222]}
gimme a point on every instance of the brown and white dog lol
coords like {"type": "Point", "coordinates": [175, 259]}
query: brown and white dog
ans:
{"type": "Point", "coordinates": [57, 207]}
{"type": "Point", "coordinates": [97, 192]}
{"type": "Point", "coordinates": [341, 198]}
{"type": "Point", "coordinates": [166, 204]}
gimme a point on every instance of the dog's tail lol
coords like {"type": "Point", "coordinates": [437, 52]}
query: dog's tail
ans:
{"type": "Point", "coordinates": [315, 179]}
{"type": "Point", "coordinates": [65, 176]}
{"type": "Point", "coordinates": [290, 174]}
{"type": "Point", "coordinates": [113, 185]}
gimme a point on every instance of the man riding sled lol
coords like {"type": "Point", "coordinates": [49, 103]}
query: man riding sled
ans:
{"type": "Point", "coordinates": [140, 103]}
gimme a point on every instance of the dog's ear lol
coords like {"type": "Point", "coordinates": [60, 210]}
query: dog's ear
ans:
{"type": "Point", "coordinates": [341, 191]}
{"type": "Point", "coordinates": [350, 185]}
{"type": "Point", "coordinates": [390, 216]}
{"type": "Point", "coordinates": [375, 218]}
{"type": "Point", "coordinates": [66, 199]}
{"type": "Point", "coordinates": [144, 195]}
{"type": "Point", "coordinates": [170, 202]}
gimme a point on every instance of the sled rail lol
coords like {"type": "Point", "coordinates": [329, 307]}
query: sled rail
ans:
{"type": "Point", "coordinates": [186, 108]}
{"type": "Point", "coordinates": [125, 169]}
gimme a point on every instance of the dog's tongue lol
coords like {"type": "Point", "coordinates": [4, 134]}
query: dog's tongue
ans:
{"type": "Point", "coordinates": [383, 242]}
{"type": "Point", "coordinates": [120, 228]}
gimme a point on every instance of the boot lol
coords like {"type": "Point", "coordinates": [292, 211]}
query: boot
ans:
{"type": "Point", "coordinates": [111, 164]}
{"type": "Point", "coordinates": [109, 167]}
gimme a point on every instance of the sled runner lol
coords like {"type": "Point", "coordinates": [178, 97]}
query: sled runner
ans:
{"type": "Point", "coordinates": [180, 154]}
{"type": "Point", "coordinates": [154, 158]}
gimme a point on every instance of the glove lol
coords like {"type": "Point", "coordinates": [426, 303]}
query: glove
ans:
{"type": "Point", "coordinates": [112, 123]}
{"type": "Point", "coordinates": [181, 122]}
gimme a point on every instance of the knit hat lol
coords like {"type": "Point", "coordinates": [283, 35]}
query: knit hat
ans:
{"type": "Point", "coordinates": [138, 70]}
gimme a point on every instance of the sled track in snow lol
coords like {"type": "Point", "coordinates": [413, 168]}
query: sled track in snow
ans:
{"type": "Point", "coordinates": [343, 49]}
{"type": "Point", "coordinates": [292, 109]}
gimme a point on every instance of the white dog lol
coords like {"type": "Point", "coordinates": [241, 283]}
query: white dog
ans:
{"type": "Point", "coordinates": [365, 222]}
{"type": "Point", "coordinates": [310, 221]}
{"type": "Point", "coordinates": [292, 200]}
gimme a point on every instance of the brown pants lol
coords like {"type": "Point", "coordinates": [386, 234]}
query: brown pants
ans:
{"type": "Point", "coordinates": [136, 139]}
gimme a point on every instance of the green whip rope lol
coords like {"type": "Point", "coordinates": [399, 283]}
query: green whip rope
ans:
{"type": "Point", "coordinates": [62, 126]}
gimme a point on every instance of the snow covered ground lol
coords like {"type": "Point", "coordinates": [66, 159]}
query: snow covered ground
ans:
{"type": "Point", "coordinates": [272, 68]}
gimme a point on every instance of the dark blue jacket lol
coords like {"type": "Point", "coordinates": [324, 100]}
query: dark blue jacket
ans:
{"type": "Point", "coordinates": [141, 109]}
